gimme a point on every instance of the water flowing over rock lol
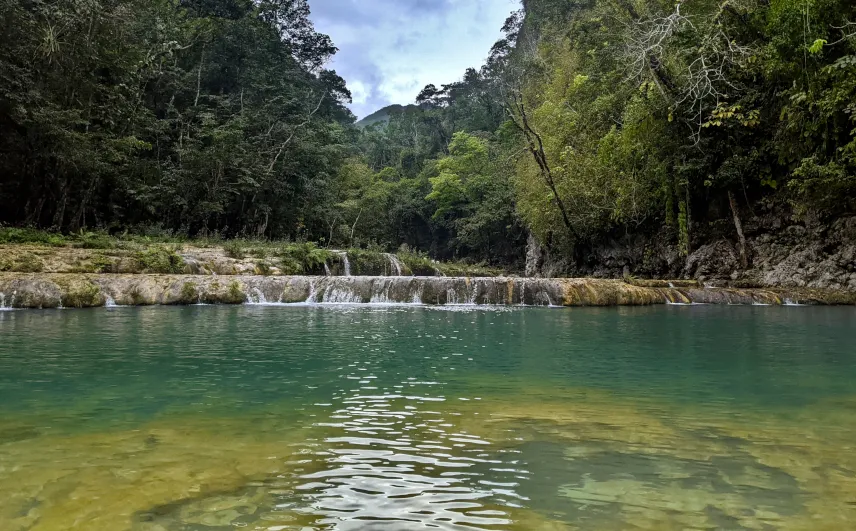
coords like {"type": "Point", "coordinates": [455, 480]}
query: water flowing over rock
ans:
{"type": "Point", "coordinates": [345, 262]}
{"type": "Point", "coordinates": [82, 290]}
{"type": "Point", "coordinates": [396, 266]}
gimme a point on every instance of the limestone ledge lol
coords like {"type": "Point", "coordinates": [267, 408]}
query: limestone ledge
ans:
{"type": "Point", "coordinates": [54, 290]}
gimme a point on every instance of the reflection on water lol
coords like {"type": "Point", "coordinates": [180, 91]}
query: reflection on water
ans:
{"type": "Point", "coordinates": [306, 419]}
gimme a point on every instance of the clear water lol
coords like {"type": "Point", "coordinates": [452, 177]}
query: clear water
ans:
{"type": "Point", "coordinates": [354, 418]}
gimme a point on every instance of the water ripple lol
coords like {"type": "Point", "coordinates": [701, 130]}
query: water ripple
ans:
{"type": "Point", "coordinates": [396, 464]}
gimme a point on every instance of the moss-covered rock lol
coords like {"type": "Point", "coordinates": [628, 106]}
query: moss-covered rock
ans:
{"type": "Point", "coordinates": [160, 260]}
{"type": "Point", "coordinates": [21, 262]}
{"type": "Point", "coordinates": [48, 290]}
{"type": "Point", "coordinates": [80, 292]}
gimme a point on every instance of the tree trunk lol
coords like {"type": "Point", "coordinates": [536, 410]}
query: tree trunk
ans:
{"type": "Point", "coordinates": [689, 220]}
{"type": "Point", "coordinates": [59, 213]}
{"type": "Point", "coordinates": [744, 256]}
{"type": "Point", "coordinates": [354, 226]}
{"type": "Point", "coordinates": [536, 148]}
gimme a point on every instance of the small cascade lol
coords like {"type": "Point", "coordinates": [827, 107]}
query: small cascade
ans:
{"type": "Point", "coordinates": [327, 270]}
{"type": "Point", "coordinates": [340, 295]}
{"type": "Point", "coordinates": [455, 291]}
{"type": "Point", "coordinates": [312, 298]}
{"type": "Point", "coordinates": [381, 294]}
{"type": "Point", "coordinates": [395, 264]}
{"type": "Point", "coordinates": [256, 296]}
{"type": "Point", "coordinates": [345, 262]}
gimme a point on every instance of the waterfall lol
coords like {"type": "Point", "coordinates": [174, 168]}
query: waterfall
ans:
{"type": "Point", "coordinates": [395, 264]}
{"type": "Point", "coordinates": [327, 270]}
{"type": "Point", "coordinates": [11, 302]}
{"type": "Point", "coordinates": [340, 295]}
{"type": "Point", "coordinates": [313, 293]}
{"type": "Point", "coordinates": [256, 296]}
{"type": "Point", "coordinates": [345, 262]}
{"type": "Point", "coordinates": [165, 289]}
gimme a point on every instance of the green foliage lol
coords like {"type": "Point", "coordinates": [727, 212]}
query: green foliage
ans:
{"type": "Point", "coordinates": [234, 249]}
{"type": "Point", "coordinates": [102, 264]}
{"type": "Point", "coordinates": [159, 260]}
{"type": "Point", "coordinates": [31, 236]}
{"type": "Point", "coordinates": [194, 117]}
{"type": "Point", "coordinates": [216, 120]}
{"type": "Point", "coordinates": [262, 268]}
{"type": "Point", "coordinates": [81, 294]}
{"type": "Point", "coordinates": [418, 262]}
{"type": "Point", "coordinates": [92, 240]}
{"type": "Point", "coordinates": [367, 263]}
{"type": "Point", "coordinates": [303, 258]}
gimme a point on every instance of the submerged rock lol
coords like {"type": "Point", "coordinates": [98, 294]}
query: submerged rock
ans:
{"type": "Point", "coordinates": [19, 290]}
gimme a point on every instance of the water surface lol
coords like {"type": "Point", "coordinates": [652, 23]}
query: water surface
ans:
{"type": "Point", "coordinates": [398, 418]}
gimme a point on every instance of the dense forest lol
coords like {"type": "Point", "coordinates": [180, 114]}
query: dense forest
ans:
{"type": "Point", "coordinates": [589, 118]}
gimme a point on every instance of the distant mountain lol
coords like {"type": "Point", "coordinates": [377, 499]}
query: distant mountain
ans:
{"type": "Point", "coordinates": [382, 116]}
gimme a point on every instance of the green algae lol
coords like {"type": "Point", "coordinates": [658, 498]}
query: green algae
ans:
{"type": "Point", "coordinates": [80, 292]}
{"type": "Point", "coordinates": [189, 294]}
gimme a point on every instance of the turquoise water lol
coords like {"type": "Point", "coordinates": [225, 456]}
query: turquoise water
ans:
{"type": "Point", "coordinates": [346, 418]}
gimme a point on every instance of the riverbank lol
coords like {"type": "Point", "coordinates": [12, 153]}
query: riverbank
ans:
{"type": "Point", "coordinates": [79, 290]}
{"type": "Point", "coordinates": [48, 253]}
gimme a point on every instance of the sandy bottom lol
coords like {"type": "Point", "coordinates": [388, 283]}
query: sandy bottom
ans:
{"type": "Point", "coordinates": [572, 460]}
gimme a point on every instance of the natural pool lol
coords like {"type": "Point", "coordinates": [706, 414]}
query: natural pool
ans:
{"type": "Point", "coordinates": [398, 418]}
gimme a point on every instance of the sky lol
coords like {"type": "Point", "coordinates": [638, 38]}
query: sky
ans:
{"type": "Point", "coordinates": [390, 49]}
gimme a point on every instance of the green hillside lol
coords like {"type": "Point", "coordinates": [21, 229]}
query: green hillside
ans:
{"type": "Point", "coordinates": [383, 115]}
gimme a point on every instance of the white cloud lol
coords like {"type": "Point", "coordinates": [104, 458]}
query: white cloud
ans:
{"type": "Point", "coordinates": [390, 49]}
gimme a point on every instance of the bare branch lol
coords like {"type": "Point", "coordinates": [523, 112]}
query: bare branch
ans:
{"type": "Point", "coordinates": [294, 132]}
{"type": "Point", "coordinates": [848, 27]}
{"type": "Point", "coordinates": [704, 79]}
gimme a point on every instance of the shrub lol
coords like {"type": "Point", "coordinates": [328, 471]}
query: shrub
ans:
{"type": "Point", "coordinates": [259, 252]}
{"type": "Point", "coordinates": [367, 262]}
{"type": "Point", "coordinates": [234, 249]}
{"type": "Point", "coordinates": [102, 264]}
{"type": "Point", "coordinates": [418, 262]}
{"type": "Point", "coordinates": [82, 295]}
{"type": "Point", "coordinates": [93, 240]}
{"type": "Point", "coordinates": [160, 260]}
{"type": "Point", "coordinates": [32, 236]}
{"type": "Point", "coordinates": [301, 258]}
{"type": "Point", "coordinates": [290, 266]}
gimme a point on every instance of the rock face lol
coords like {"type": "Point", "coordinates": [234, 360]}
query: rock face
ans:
{"type": "Point", "coordinates": [783, 254]}
{"type": "Point", "coordinates": [20, 290]}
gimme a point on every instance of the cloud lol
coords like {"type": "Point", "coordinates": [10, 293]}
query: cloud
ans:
{"type": "Point", "coordinates": [390, 49]}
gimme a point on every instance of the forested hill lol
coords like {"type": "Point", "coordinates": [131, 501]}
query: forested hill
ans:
{"type": "Point", "coordinates": [383, 116]}
{"type": "Point", "coordinates": [679, 125]}
{"type": "Point", "coordinates": [193, 115]}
